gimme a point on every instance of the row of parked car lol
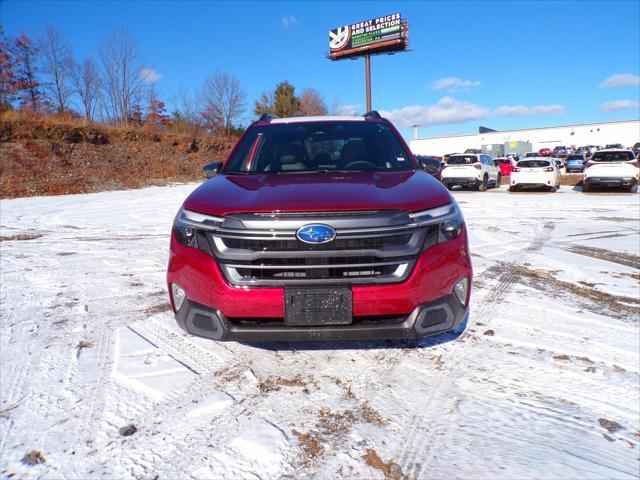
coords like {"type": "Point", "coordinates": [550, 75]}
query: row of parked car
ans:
{"type": "Point", "coordinates": [613, 167]}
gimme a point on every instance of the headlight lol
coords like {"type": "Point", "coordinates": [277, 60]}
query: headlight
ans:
{"type": "Point", "coordinates": [187, 224]}
{"type": "Point", "coordinates": [444, 223]}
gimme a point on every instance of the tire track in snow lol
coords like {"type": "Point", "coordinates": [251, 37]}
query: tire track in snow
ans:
{"type": "Point", "coordinates": [420, 443]}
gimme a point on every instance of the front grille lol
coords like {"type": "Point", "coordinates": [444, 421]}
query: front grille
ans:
{"type": "Point", "coordinates": [370, 247]}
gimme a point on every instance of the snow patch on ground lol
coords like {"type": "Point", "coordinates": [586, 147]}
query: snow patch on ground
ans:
{"type": "Point", "coordinates": [544, 382]}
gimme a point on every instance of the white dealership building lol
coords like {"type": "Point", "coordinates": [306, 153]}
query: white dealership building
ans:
{"type": "Point", "coordinates": [626, 132]}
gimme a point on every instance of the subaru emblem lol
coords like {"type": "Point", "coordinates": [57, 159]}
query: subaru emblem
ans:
{"type": "Point", "coordinates": [315, 234]}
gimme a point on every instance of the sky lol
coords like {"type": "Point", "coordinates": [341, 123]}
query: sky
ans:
{"type": "Point", "coordinates": [504, 64]}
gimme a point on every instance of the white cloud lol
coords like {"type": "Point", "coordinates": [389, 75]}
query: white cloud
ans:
{"type": "Point", "coordinates": [348, 110]}
{"type": "Point", "coordinates": [448, 110]}
{"type": "Point", "coordinates": [621, 80]}
{"type": "Point", "coordinates": [290, 21]}
{"type": "Point", "coordinates": [149, 75]}
{"type": "Point", "coordinates": [524, 111]}
{"type": "Point", "coordinates": [615, 105]}
{"type": "Point", "coordinates": [453, 84]}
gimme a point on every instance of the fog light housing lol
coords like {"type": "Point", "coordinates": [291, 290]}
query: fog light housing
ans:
{"type": "Point", "coordinates": [178, 296]}
{"type": "Point", "coordinates": [461, 290]}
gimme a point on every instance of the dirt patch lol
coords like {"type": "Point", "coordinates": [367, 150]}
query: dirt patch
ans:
{"type": "Point", "coordinates": [34, 457]}
{"type": "Point", "coordinates": [161, 307]}
{"type": "Point", "coordinates": [390, 469]}
{"type": "Point", "coordinates": [626, 259]}
{"type": "Point", "coordinates": [46, 157]}
{"type": "Point", "coordinates": [616, 219]}
{"type": "Point", "coordinates": [311, 446]}
{"type": "Point", "coordinates": [544, 280]}
{"type": "Point", "coordinates": [610, 425]}
{"type": "Point", "coordinates": [128, 430]}
{"type": "Point", "coordinates": [21, 236]}
{"type": "Point", "coordinates": [273, 384]}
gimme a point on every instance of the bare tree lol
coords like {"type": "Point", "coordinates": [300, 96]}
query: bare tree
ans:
{"type": "Point", "coordinates": [223, 101]}
{"type": "Point", "coordinates": [122, 81]}
{"type": "Point", "coordinates": [312, 103]}
{"type": "Point", "coordinates": [87, 85]}
{"type": "Point", "coordinates": [187, 115]}
{"type": "Point", "coordinates": [56, 67]}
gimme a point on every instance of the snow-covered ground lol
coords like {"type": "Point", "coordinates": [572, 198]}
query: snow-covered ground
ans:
{"type": "Point", "coordinates": [544, 383]}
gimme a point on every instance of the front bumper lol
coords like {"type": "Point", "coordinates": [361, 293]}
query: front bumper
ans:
{"type": "Point", "coordinates": [379, 310]}
{"type": "Point", "coordinates": [439, 316]}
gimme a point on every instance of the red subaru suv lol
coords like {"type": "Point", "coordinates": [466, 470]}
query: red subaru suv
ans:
{"type": "Point", "coordinates": [319, 228]}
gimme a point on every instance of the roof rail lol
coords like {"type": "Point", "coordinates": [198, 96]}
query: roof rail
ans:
{"type": "Point", "coordinates": [372, 114]}
{"type": "Point", "coordinates": [267, 117]}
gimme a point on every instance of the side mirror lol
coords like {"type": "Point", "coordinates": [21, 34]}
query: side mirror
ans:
{"type": "Point", "coordinates": [212, 169]}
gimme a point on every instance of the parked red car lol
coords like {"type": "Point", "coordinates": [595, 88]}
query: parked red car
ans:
{"type": "Point", "coordinates": [545, 152]}
{"type": "Point", "coordinates": [317, 229]}
{"type": "Point", "coordinates": [505, 165]}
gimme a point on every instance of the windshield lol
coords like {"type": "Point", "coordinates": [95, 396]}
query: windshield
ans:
{"type": "Point", "coordinates": [534, 164]}
{"type": "Point", "coordinates": [319, 146]}
{"type": "Point", "coordinates": [462, 160]}
{"type": "Point", "coordinates": [612, 157]}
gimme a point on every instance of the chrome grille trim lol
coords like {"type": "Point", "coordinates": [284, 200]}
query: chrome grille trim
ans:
{"type": "Point", "coordinates": [389, 263]}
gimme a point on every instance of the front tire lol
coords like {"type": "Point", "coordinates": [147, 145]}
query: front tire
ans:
{"type": "Point", "coordinates": [513, 189]}
{"type": "Point", "coordinates": [498, 181]}
{"type": "Point", "coordinates": [553, 189]}
{"type": "Point", "coordinates": [586, 188]}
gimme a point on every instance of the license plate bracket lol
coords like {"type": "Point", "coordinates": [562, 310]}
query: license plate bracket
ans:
{"type": "Point", "coordinates": [318, 306]}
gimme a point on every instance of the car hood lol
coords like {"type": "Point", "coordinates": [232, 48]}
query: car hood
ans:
{"type": "Point", "coordinates": [304, 192]}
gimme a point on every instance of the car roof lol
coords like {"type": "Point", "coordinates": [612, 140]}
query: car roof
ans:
{"type": "Point", "coordinates": [326, 118]}
{"type": "Point", "coordinates": [614, 150]}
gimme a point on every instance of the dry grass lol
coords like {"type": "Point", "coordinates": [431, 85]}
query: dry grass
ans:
{"type": "Point", "coordinates": [545, 280]}
{"type": "Point", "coordinates": [273, 384]}
{"type": "Point", "coordinates": [57, 155]}
{"type": "Point", "coordinates": [20, 236]}
{"type": "Point", "coordinates": [390, 469]}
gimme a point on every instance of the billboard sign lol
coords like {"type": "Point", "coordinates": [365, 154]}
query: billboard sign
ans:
{"type": "Point", "coordinates": [377, 35]}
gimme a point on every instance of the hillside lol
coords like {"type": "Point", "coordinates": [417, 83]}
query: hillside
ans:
{"type": "Point", "coordinates": [42, 157]}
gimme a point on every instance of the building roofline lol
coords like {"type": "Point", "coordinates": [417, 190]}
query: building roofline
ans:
{"type": "Point", "coordinates": [527, 129]}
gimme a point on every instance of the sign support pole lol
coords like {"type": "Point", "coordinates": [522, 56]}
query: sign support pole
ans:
{"type": "Point", "coordinates": [367, 68]}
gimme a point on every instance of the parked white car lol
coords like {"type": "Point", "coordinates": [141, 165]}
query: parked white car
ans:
{"type": "Point", "coordinates": [471, 170]}
{"type": "Point", "coordinates": [535, 172]}
{"type": "Point", "coordinates": [611, 168]}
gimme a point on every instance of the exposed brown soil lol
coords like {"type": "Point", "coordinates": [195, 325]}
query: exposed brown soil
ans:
{"type": "Point", "coordinates": [161, 307]}
{"type": "Point", "coordinates": [617, 219]}
{"type": "Point", "coordinates": [20, 236]}
{"type": "Point", "coordinates": [272, 384]}
{"type": "Point", "coordinates": [42, 157]}
{"type": "Point", "coordinates": [610, 425]}
{"type": "Point", "coordinates": [34, 457]}
{"type": "Point", "coordinates": [543, 279]}
{"type": "Point", "coordinates": [390, 469]}
{"type": "Point", "coordinates": [621, 258]}
{"type": "Point", "coordinates": [311, 446]}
